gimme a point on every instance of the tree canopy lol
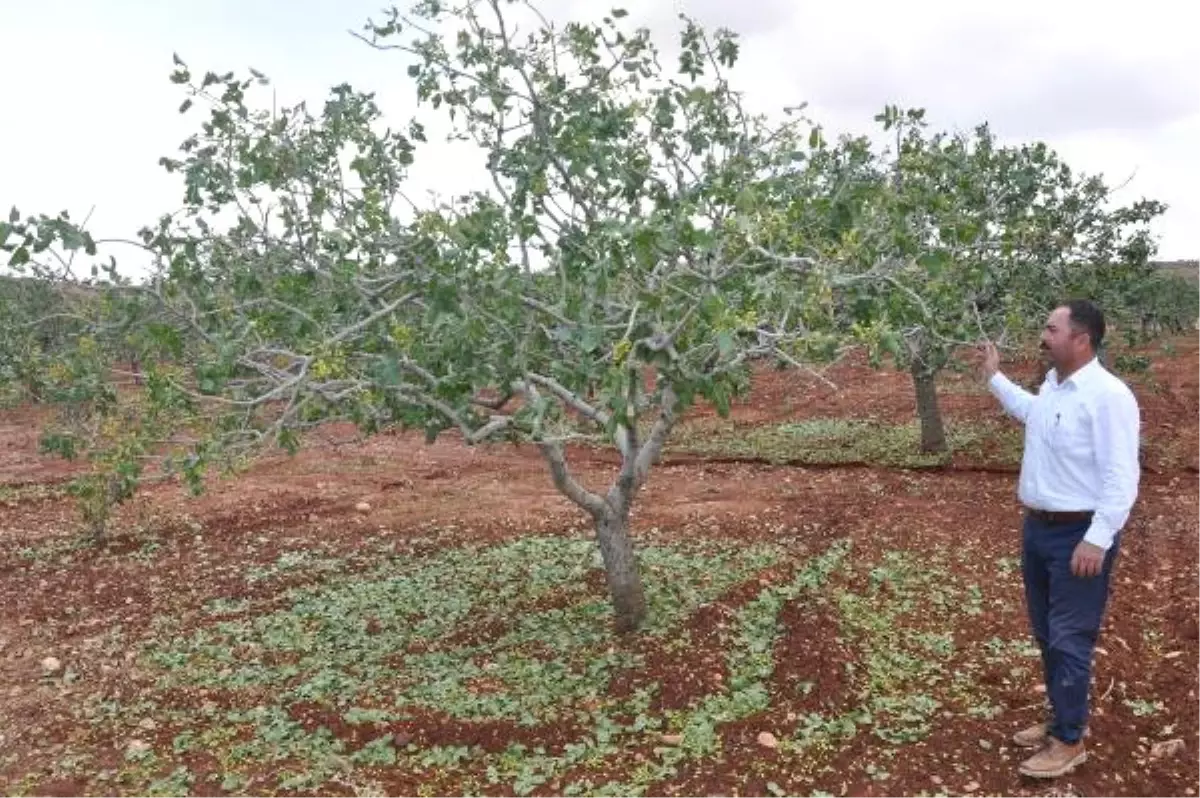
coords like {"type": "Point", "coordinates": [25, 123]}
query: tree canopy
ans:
{"type": "Point", "coordinates": [954, 238]}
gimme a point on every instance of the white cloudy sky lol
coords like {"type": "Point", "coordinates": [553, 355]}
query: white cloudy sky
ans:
{"type": "Point", "coordinates": [88, 110]}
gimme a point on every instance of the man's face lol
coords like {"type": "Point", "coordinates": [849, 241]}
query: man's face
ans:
{"type": "Point", "coordinates": [1061, 343]}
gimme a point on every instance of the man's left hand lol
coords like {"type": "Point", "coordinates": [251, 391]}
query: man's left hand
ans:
{"type": "Point", "coordinates": [1088, 560]}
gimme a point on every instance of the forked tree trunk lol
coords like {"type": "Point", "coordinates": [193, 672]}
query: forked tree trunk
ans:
{"type": "Point", "coordinates": [621, 570]}
{"type": "Point", "coordinates": [933, 431]}
{"type": "Point", "coordinates": [610, 513]}
{"type": "Point", "coordinates": [611, 519]}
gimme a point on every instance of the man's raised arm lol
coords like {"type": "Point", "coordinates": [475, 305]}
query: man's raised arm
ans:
{"type": "Point", "coordinates": [1016, 400]}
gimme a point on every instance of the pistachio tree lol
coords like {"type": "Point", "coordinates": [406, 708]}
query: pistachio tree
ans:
{"type": "Point", "coordinates": [38, 318]}
{"type": "Point", "coordinates": [74, 333]}
{"type": "Point", "coordinates": [620, 266]}
{"type": "Point", "coordinates": [29, 343]}
{"type": "Point", "coordinates": [951, 238]}
{"type": "Point", "coordinates": [1161, 303]}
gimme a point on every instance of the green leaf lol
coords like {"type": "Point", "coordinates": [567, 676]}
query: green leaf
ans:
{"type": "Point", "coordinates": [183, 108]}
{"type": "Point", "coordinates": [590, 338]}
{"type": "Point", "coordinates": [934, 263]}
{"type": "Point", "coordinates": [725, 343]}
{"type": "Point", "coordinates": [619, 13]}
{"type": "Point", "coordinates": [72, 239]}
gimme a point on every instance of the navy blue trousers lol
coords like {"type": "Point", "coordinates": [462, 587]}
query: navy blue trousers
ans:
{"type": "Point", "coordinates": [1065, 613]}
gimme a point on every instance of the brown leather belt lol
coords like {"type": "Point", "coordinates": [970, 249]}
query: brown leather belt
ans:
{"type": "Point", "coordinates": [1060, 517]}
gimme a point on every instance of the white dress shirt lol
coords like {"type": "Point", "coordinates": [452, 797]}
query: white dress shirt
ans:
{"type": "Point", "coordinates": [1081, 446]}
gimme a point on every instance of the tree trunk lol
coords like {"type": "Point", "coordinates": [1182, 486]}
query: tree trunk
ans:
{"type": "Point", "coordinates": [621, 569]}
{"type": "Point", "coordinates": [611, 517]}
{"type": "Point", "coordinates": [933, 432]}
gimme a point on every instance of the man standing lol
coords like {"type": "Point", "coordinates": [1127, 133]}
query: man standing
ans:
{"type": "Point", "coordinates": [1079, 480]}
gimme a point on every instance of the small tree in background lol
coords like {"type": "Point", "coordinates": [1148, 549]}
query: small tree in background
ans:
{"type": "Point", "coordinates": [69, 345]}
{"type": "Point", "coordinates": [955, 238]}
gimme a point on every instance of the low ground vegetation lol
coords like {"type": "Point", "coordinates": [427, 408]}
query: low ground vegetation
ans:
{"type": "Point", "coordinates": [386, 616]}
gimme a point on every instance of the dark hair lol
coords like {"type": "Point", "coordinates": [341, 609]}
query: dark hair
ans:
{"type": "Point", "coordinates": [1087, 316]}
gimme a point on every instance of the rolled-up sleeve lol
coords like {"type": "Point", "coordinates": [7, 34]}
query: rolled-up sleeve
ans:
{"type": "Point", "coordinates": [1116, 429]}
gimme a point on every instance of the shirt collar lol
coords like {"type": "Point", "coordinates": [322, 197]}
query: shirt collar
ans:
{"type": "Point", "coordinates": [1081, 376]}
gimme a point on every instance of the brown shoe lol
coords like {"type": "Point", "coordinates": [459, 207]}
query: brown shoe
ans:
{"type": "Point", "coordinates": [1056, 759]}
{"type": "Point", "coordinates": [1033, 737]}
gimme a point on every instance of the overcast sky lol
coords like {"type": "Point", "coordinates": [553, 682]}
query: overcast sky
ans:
{"type": "Point", "coordinates": [88, 110]}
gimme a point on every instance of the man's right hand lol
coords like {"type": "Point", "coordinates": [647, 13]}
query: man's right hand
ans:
{"type": "Point", "coordinates": [991, 359]}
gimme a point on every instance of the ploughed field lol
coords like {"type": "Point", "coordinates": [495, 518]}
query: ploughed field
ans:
{"type": "Point", "coordinates": [830, 613]}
